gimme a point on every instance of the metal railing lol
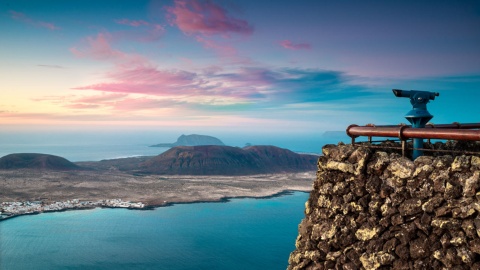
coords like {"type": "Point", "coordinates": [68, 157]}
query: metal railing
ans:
{"type": "Point", "coordinates": [454, 131]}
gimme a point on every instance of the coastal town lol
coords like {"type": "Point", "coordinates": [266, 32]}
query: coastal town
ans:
{"type": "Point", "coordinates": [12, 209]}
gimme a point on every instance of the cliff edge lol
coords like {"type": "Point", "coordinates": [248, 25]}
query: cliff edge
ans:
{"type": "Point", "coordinates": [376, 210]}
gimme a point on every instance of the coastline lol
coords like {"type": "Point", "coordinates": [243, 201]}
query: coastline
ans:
{"type": "Point", "coordinates": [285, 192]}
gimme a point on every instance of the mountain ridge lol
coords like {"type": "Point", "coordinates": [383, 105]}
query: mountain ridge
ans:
{"type": "Point", "coordinates": [227, 160]}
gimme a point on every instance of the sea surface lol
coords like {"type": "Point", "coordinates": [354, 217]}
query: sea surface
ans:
{"type": "Point", "coordinates": [240, 234]}
{"type": "Point", "coordinates": [95, 146]}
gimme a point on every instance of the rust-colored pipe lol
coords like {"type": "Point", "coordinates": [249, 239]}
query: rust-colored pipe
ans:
{"type": "Point", "coordinates": [455, 125]}
{"type": "Point", "coordinates": [406, 132]}
{"type": "Point", "coordinates": [451, 126]}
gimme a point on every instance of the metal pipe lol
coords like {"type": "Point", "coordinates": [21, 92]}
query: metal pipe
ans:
{"type": "Point", "coordinates": [451, 126]}
{"type": "Point", "coordinates": [404, 132]}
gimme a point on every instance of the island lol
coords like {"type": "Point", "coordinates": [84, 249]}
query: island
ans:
{"type": "Point", "coordinates": [29, 186]}
{"type": "Point", "coordinates": [192, 140]}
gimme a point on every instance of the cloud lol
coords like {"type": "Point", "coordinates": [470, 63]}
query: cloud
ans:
{"type": "Point", "coordinates": [23, 18]}
{"type": "Point", "coordinates": [137, 77]}
{"type": "Point", "coordinates": [99, 48]}
{"type": "Point", "coordinates": [143, 31]}
{"type": "Point", "coordinates": [287, 44]}
{"type": "Point", "coordinates": [223, 49]}
{"type": "Point", "coordinates": [135, 23]}
{"type": "Point", "coordinates": [208, 23]}
{"type": "Point", "coordinates": [51, 66]}
{"type": "Point", "coordinates": [205, 18]}
{"type": "Point", "coordinates": [146, 80]}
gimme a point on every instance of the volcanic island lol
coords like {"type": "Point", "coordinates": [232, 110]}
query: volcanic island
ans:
{"type": "Point", "coordinates": [32, 183]}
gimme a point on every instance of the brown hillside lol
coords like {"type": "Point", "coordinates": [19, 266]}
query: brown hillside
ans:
{"type": "Point", "coordinates": [35, 161]}
{"type": "Point", "coordinates": [227, 160]}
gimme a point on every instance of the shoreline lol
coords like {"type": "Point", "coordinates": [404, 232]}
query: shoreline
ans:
{"type": "Point", "coordinates": [152, 207]}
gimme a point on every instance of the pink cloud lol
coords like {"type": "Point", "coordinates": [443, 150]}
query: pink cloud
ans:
{"type": "Point", "coordinates": [205, 18]}
{"type": "Point", "coordinates": [182, 85]}
{"type": "Point", "coordinates": [143, 32]}
{"type": "Point", "coordinates": [134, 23]}
{"type": "Point", "coordinates": [134, 74]}
{"type": "Point", "coordinates": [147, 80]}
{"type": "Point", "coordinates": [99, 48]}
{"type": "Point", "coordinates": [223, 49]}
{"type": "Point", "coordinates": [287, 44]}
{"type": "Point", "coordinates": [100, 98]}
{"type": "Point", "coordinates": [139, 104]}
{"type": "Point", "coordinates": [23, 18]}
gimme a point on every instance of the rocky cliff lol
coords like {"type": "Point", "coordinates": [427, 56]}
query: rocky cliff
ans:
{"type": "Point", "coordinates": [377, 210]}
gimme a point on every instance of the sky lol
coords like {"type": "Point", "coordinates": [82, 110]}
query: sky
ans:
{"type": "Point", "coordinates": [234, 67]}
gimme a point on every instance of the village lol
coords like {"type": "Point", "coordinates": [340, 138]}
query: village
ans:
{"type": "Point", "coordinates": [12, 209]}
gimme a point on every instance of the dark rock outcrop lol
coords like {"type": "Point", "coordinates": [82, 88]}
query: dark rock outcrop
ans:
{"type": "Point", "coordinates": [377, 210]}
{"type": "Point", "coordinates": [35, 161]}
{"type": "Point", "coordinates": [226, 160]}
{"type": "Point", "coordinates": [192, 140]}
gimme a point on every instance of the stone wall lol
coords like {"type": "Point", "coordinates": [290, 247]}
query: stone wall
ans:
{"type": "Point", "coordinates": [377, 210]}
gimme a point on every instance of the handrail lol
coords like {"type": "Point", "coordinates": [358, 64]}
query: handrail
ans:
{"type": "Point", "coordinates": [455, 131]}
{"type": "Point", "coordinates": [405, 132]}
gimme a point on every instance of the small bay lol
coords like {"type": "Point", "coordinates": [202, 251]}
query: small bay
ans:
{"type": "Point", "coordinates": [240, 234]}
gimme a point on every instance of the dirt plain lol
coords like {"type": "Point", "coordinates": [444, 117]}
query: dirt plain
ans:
{"type": "Point", "coordinates": [153, 190]}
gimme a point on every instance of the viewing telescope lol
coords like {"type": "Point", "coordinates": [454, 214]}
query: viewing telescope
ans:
{"type": "Point", "coordinates": [418, 116]}
{"type": "Point", "coordinates": [419, 99]}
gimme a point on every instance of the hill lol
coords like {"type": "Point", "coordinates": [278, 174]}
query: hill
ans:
{"type": "Point", "coordinates": [192, 140]}
{"type": "Point", "coordinates": [227, 160]}
{"type": "Point", "coordinates": [35, 161]}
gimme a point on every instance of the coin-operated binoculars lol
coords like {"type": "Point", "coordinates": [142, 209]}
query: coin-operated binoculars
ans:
{"type": "Point", "coordinates": [418, 116]}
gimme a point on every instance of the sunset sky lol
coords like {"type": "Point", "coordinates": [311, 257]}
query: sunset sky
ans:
{"type": "Point", "coordinates": [248, 66]}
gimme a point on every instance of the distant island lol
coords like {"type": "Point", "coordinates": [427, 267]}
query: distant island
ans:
{"type": "Point", "coordinates": [33, 183]}
{"type": "Point", "coordinates": [192, 140]}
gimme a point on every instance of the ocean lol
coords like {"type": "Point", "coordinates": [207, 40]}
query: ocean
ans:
{"type": "Point", "coordinates": [93, 146]}
{"type": "Point", "coordinates": [240, 234]}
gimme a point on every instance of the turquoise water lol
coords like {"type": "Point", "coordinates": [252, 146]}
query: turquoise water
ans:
{"type": "Point", "coordinates": [240, 234]}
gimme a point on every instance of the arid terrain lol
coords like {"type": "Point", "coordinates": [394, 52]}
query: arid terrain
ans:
{"type": "Point", "coordinates": [45, 185]}
{"type": "Point", "coordinates": [180, 175]}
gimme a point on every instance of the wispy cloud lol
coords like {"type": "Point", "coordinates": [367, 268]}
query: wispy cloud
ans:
{"type": "Point", "coordinates": [51, 66]}
{"type": "Point", "coordinates": [25, 19]}
{"type": "Point", "coordinates": [99, 48]}
{"type": "Point", "coordinates": [135, 23]}
{"type": "Point", "coordinates": [142, 31]}
{"type": "Point", "coordinates": [287, 44]}
{"type": "Point", "coordinates": [206, 18]}
{"type": "Point", "coordinates": [136, 83]}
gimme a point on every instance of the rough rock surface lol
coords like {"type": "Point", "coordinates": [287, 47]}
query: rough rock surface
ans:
{"type": "Point", "coordinates": [377, 210]}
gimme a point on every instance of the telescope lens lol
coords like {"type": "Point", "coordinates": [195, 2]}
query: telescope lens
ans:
{"type": "Point", "coordinates": [397, 93]}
